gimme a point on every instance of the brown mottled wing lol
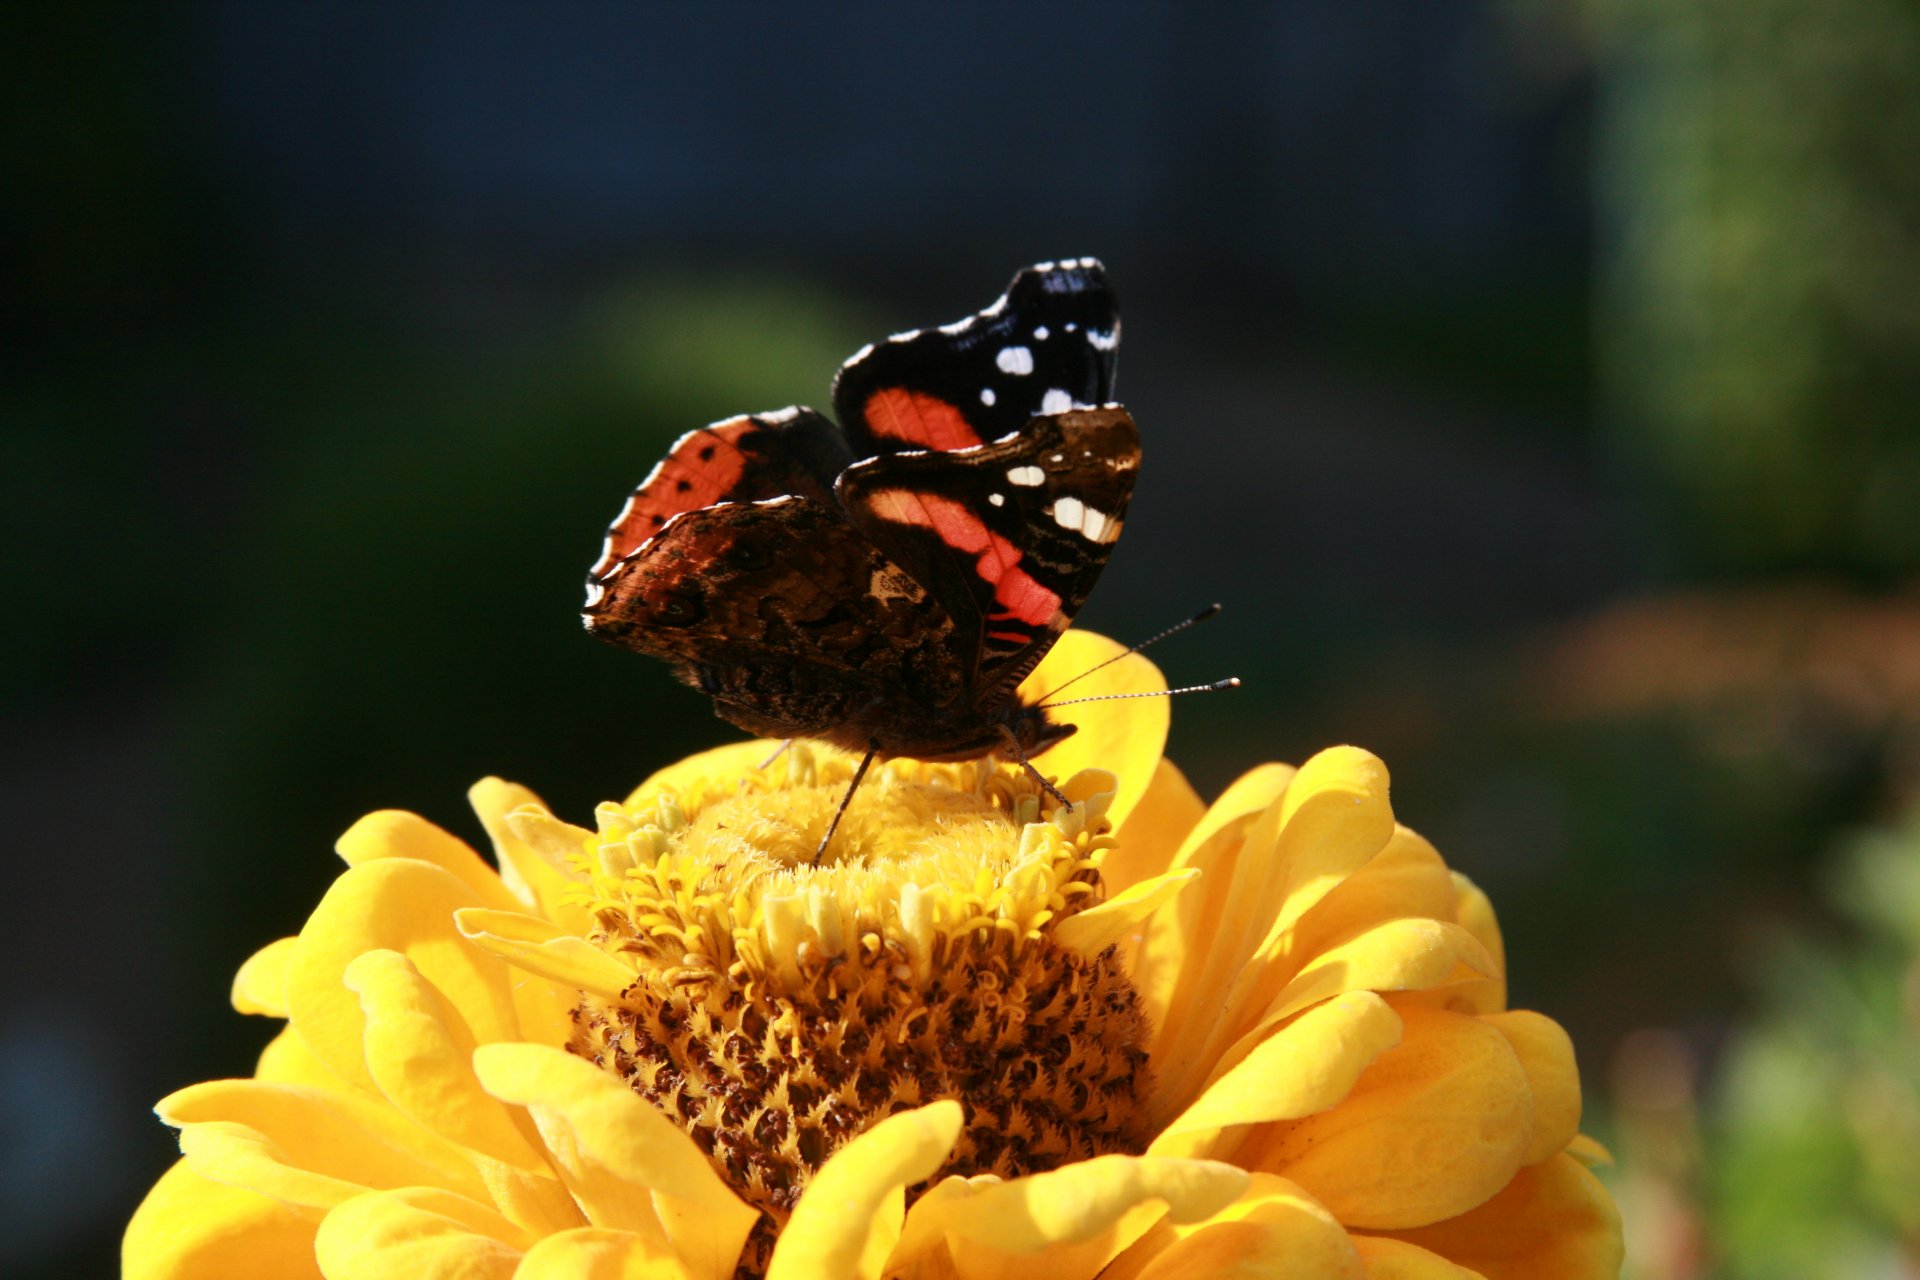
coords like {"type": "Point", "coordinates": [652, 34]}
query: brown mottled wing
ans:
{"type": "Point", "coordinates": [792, 621]}
{"type": "Point", "coordinates": [1020, 527]}
{"type": "Point", "coordinates": [744, 459]}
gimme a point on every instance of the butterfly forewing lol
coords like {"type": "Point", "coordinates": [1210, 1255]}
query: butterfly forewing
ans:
{"type": "Point", "coordinates": [1046, 345]}
{"type": "Point", "coordinates": [1022, 526]}
{"type": "Point", "coordinates": [745, 459]}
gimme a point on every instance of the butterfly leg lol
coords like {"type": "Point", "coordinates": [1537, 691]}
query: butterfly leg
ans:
{"type": "Point", "coordinates": [845, 800]}
{"type": "Point", "coordinates": [777, 753]}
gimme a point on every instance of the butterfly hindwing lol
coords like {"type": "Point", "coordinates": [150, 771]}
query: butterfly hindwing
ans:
{"type": "Point", "coordinates": [1046, 345]}
{"type": "Point", "coordinates": [783, 613]}
{"type": "Point", "coordinates": [1021, 527]}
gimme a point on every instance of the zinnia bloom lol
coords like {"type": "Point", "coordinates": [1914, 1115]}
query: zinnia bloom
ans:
{"type": "Point", "coordinates": [988, 1036]}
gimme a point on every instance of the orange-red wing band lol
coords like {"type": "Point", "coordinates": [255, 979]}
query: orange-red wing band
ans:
{"type": "Point", "coordinates": [1016, 591]}
{"type": "Point", "coordinates": [918, 419]}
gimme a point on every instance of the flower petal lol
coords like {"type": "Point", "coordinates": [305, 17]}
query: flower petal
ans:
{"type": "Point", "coordinates": [358, 1141]}
{"type": "Point", "coordinates": [601, 1253]}
{"type": "Point", "coordinates": [1388, 1259]}
{"type": "Point", "coordinates": [627, 1165]}
{"type": "Point", "coordinates": [1546, 1055]}
{"type": "Point", "coordinates": [995, 1229]}
{"type": "Point", "coordinates": [544, 948]}
{"type": "Point", "coordinates": [417, 1233]}
{"type": "Point", "coordinates": [1148, 843]}
{"type": "Point", "coordinates": [1097, 928]}
{"type": "Point", "coordinates": [1273, 1229]}
{"type": "Point", "coordinates": [261, 985]}
{"type": "Point", "coordinates": [1434, 1127]}
{"type": "Point", "coordinates": [1305, 1067]}
{"type": "Point", "coordinates": [1126, 736]}
{"type": "Point", "coordinates": [704, 776]}
{"type": "Point", "coordinates": [1475, 913]}
{"type": "Point", "coordinates": [1398, 955]}
{"type": "Point", "coordinates": [421, 1057]}
{"type": "Point", "coordinates": [287, 1060]}
{"type": "Point", "coordinates": [402, 905]}
{"type": "Point", "coordinates": [235, 1155]}
{"type": "Point", "coordinates": [1330, 821]}
{"type": "Point", "coordinates": [189, 1228]}
{"type": "Point", "coordinates": [535, 879]}
{"type": "Point", "coordinates": [1553, 1219]}
{"type": "Point", "coordinates": [848, 1217]}
{"type": "Point", "coordinates": [1590, 1152]}
{"type": "Point", "coordinates": [395, 833]}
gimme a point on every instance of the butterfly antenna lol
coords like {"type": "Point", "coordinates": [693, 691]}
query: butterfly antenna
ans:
{"type": "Point", "coordinates": [1211, 611]}
{"type": "Point", "coordinates": [1218, 686]}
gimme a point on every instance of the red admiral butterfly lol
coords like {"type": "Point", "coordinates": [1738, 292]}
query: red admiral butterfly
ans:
{"type": "Point", "coordinates": [886, 584]}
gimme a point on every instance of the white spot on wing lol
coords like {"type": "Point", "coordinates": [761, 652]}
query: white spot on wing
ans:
{"type": "Point", "coordinates": [1026, 477]}
{"type": "Point", "coordinates": [1067, 513]}
{"type": "Point", "coordinates": [1055, 401]}
{"type": "Point", "coordinates": [1103, 341]}
{"type": "Point", "coordinates": [987, 397]}
{"type": "Point", "coordinates": [1076, 516]}
{"type": "Point", "coordinates": [1041, 333]}
{"type": "Point", "coordinates": [1017, 361]}
{"type": "Point", "coordinates": [997, 499]}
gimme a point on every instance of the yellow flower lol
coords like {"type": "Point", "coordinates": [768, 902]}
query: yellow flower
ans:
{"type": "Point", "coordinates": [989, 1036]}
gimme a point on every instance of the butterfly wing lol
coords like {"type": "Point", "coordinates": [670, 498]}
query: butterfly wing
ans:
{"type": "Point", "coordinates": [785, 614]}
{"type": "Point", "coordinates": [745, 459]}
{"type": "Point", "coordinates": [1020, 527]}
{"type": "Point", "coordinates": [1048, 344]}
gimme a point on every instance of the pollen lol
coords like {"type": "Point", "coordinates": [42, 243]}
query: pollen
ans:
{"type": "Point", "coordinates": [781, 1008]}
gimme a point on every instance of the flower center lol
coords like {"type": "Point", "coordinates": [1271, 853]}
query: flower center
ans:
{"type": "Point", "coordinates": [782, 1008]}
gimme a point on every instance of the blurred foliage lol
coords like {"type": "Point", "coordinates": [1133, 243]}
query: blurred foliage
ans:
{"type": "Point", "coordinates": [1759, 177]}
{"type": "Point", "coordinates": [1815, 1130]}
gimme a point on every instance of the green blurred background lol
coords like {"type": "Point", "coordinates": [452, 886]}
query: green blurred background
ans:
{"type": "Point", "coordinates": [1535, 383]}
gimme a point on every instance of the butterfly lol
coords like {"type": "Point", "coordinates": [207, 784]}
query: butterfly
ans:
{"type": "Point", "coordinates": [886, 583]}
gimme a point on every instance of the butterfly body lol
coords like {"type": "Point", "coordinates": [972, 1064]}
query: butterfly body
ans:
{"type": "Point", "coordinates": [887, 583]}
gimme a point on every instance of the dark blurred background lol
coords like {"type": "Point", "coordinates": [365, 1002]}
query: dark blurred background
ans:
{"type": "Point", "coordinates": [1535, 382]}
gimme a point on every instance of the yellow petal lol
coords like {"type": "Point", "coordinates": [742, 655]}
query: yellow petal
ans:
{"type": "Point", "coordinates": [544, 948]}
{"type": "Point", "coordinates": [347, 1137]}
{"type": "Point", "coordinates": [627, 1165]}
{"type": "Point", "coordinates": [1398, 955]}
{"type": "Point", "coordinates": [706, 775]}
{"type": "Point", "coordinates": [1331, 820]}
{"type": "Point", "coordinates": [1407, 878]}
{"type": "Point", "coordinates": [188, 1228]}
{"type": "Point", "coordinates": [417, 1233]}
{"type": "Point", "coordinates": [401, 905]}
{"type": "Point", "coordinates": [1249, 795]}
{"type": "Point", "coordinates": [394, 833]}
{"type": "Point", "coordinates": [287, 1060]}
{"type": "Point", "coordinates": [1029, 1225]}
{"type": "Point", "coordinates": [849, 1216]}
{"type": "Point", "coordinates": [420, 1055]}
{"type": "Point", "coordinates": [601, 1253]}
{"type": "Point", "coordinates": [1554, 1219]}
{"type": "Point", "coordinates": [1147, 845]}
{"type": "Point", "coordinates": [245, 1159]}
{"type": "Point", "coordinates": [1434, 1127]}
{"type": "Point", "coordinates": [1126, 736]}
{"type": "Point", "coordinates": [1305, 1067]}
{"type": "Point", "coordinates": [1546, 1055]}
{"type": "Point", "coordinates": [1388, 1259]}
{"type": "Point", "coordinates": [1590, 1152]}
{"type": "Point", "coordinates": [1097, 928]}
{"type": "Point", "coordinates": [261, 985]}
{"type": "Point", "coordinates": [537, 881]}
{"type": "Point", "coordinates": [1475, 913]}
{"type": "Point", "coordinates": [1273, 1229]}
